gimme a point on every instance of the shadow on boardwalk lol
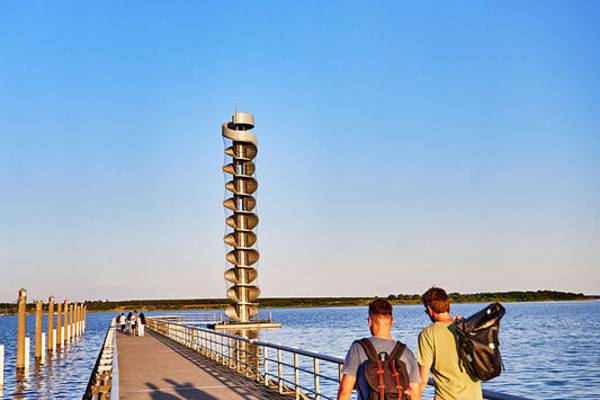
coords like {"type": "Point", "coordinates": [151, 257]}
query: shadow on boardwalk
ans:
{"type": "Point", "coordinates": [242, 386]}
{"type": "Point", "coordinates": [157, 368]}
{"type": "Point", "coordinates": [185, 391]}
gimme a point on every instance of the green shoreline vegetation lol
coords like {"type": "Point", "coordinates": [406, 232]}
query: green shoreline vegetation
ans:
{"type": "Point", "coordinates": [306, 302]}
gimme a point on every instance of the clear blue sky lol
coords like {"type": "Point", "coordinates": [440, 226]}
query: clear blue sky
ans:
{"type": "Point", "coordinates": [401, 145]}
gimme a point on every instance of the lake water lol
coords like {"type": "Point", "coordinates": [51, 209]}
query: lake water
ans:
{"type": "Point", "coordinates": [550, 350]}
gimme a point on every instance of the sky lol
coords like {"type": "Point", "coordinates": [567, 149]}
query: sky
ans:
{"type": "Point", "coordinates": [401, 145]}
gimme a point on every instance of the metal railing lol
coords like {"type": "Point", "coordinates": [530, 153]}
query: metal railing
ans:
{"type": "Point", "coordinates": [197, 317]}
{"type": "Point", "coordinates": [104, 379]}
{"type": "Point", "coordinates": [300, 373]}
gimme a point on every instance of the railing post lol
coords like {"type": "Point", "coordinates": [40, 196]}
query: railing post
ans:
{"type": "Point", "coordinates": [238, 355]}
{"type": "Point", "coordinates": [296, 377]}
{"type": "Point", "coordinates": [257, 363]}
{"type": "Point", "coordinates": [266, 355]}
{"type": "Point", "coordinates": [21, 328]}
{"type": "Point", "coordinates": [279, 371]}
{"type": "Point", "coordinates": [230, 353]}
{"type": "Point", "coordinates": [316, 373]}
{"type": "Point", "coordinates": [222, 350]}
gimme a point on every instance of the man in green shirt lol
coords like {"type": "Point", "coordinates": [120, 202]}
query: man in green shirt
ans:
{"type": "Point", "coordinates": [438, 352]}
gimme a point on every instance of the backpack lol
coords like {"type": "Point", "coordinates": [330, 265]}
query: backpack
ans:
{"type": "Point", "coordinates": [386, 375]}
{"type": "Point", "coordinates": [479, 347]}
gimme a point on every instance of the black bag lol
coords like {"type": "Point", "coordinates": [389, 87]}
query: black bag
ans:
{"type": "Point", "coordinates": [478, 342]}
{"type": "Point", "coordinates": [386, 375]}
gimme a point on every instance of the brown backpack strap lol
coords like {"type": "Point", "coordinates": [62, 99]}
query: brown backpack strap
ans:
{"type": "Point", "coordinates": [397, 350]}
{"type": "Point", "coordinates": [374, 357]}
{"type": "Point", "coordinates": [396, 376]}
{"type": "Point", "coordinates": [369, 349]}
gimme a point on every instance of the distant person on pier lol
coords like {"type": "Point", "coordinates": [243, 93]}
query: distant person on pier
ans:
{"type": "Point", "coordinates": [134, 323]}
{"type": "Point", "coordinates": [438, 352]}
{"type": "Point", "coordinates": [141, 324]}
{"type": "Point", "coordinates": [380, 366]}
{"type": "Point", "coordinates": [121, 322]}
{"type": "Point", "coordinates": [128, 322]}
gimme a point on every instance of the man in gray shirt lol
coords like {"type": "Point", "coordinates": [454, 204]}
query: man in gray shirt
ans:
{"type": "Point", "coordinates": [380, 325]}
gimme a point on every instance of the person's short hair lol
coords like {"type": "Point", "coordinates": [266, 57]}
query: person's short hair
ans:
{"type": "Point", "coordinates": [437, 299]}
{"type": "Point", "coordinates": [380, 308]}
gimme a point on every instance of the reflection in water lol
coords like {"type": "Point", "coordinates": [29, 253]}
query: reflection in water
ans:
{"type": "Point", "coordinates": [21, 386]}
{"type": "Point", "coordinates": [65, 373]}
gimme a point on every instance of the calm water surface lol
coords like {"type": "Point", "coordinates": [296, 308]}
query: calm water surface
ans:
{"type": "Point", "coordinates": [551, 350]}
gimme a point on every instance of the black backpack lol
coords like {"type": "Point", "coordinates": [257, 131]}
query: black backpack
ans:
{"type": "Point", "coordinates": [479, 347]}
{"type": "Point", "coordinates": [386, 375]}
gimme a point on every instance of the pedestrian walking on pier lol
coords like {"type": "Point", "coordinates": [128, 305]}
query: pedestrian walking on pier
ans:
{"type": "Point", "coordinates": [121, 322]}
{"type": "Point", "coordinates": [380, 366]}
{"type": "Point", "coordinates": [438, 352]}
{"type": "Point", "coordinates": [134, 324]}
{"type": "Point", "coordinates": [141, 324]}
{"type": "Point", "coordinates": [128, 322]}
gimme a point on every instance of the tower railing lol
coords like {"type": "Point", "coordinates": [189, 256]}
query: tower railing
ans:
{"type": "Point", "coordinates": [299, 373]}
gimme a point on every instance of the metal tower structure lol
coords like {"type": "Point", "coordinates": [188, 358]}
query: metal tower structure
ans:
{"type": "Point", "coordinates": [242, 272]}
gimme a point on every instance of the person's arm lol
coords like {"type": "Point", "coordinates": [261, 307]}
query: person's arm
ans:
{"type": "Point", "coordinates": [424, 371]}
{"type": "Point", "coordinates": [414, 391]}
{"type": "Point", "coordinates": [346, 387]}
{"type": "Point", "coordinates": [425, 357]}
{"type": "Point", "coordinates": [351, 364]}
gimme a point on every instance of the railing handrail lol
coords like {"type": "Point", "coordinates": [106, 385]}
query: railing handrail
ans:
{"type": "Point", "coordinates": [92, 388]}
{"type": "Point", "coordinates": [487, 394]}
{"type": "Point", "coordinates": [306, 353]}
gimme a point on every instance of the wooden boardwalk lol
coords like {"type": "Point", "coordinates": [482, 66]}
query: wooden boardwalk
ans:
{"type": "Point", "coordinates": [156, 368]}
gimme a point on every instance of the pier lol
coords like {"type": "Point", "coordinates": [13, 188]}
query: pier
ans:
{"type": "Point", "coordinates": [155, 367]}
{"type": "Point", "coordinates": [175, 361]}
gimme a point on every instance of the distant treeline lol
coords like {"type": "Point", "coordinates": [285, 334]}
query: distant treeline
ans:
{"type": "Point", "coordinates": [489, 297]}
{"type": "Point", "coordinates": [277, 302]}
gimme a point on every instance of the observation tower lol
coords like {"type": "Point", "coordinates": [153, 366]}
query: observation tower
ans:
{"type": "Point", "coordinates": [242, 258]}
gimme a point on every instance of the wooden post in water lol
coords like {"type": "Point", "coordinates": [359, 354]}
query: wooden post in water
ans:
{"type": "Point", "coordinates": [38, 329]}
{"type": "Point", "coordinates": [67, 328]}
{"type": "Point", "coordinates": [43, 348]}
{"type": "Point", "coordinates": [79, 320]}
{"type": "Point", "coordinates": [27, 351]}
{"type": "Point", "coordinates": [1, 367]}
{"type": "Point", "coordinates": [59, 335]}
{"type": "Point", "coordinates": [75, 308]}
{"type": "Point", "coordinates": [75, 316]}
{"type": "Point", "coordinates": [50, 322]}
{"type": "Point", "coordinates": [70, 328]}
{"type": "Point", "coordinates": [21, 327]}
